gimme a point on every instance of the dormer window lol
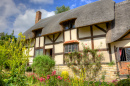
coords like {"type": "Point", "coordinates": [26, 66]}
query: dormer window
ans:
{"type": "Point", "coordinates": [69, 24]}
{"type": "Point", "coordinates": [38, 33]}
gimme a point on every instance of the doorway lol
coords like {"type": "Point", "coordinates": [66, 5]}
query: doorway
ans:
{"type": "Point", "coordinates": [48, 52]}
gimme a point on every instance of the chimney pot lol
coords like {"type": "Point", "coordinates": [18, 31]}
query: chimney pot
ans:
{"type": "Point", "coordinates": [38, 16]}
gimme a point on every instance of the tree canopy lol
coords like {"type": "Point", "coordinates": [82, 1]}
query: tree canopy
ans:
{"type": "Point", "coordinates": [62, 9]}
{"type": "Point", "coordinates": [6, 36]}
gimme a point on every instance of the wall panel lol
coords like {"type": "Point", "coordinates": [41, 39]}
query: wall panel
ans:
{"type": "Point", "coordinates": [74, 34]}
{"type": "Point", "coordinates": [84, 32]}
{"type": "Point", "coordinates": [67, 35]}
{"type": "Point", "coordinates": [59, 48]}
{"type": "Point", "coordinates": [59, 59]}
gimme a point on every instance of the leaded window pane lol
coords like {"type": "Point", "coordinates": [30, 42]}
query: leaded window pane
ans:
{"type": "Point", "coordinates": [128, 54]}
{"type": "Point", "coordinates": [41, 52]}
{"type": "Point", "coordinates": [36, 52]}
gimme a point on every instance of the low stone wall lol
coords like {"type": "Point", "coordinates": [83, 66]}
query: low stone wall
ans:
{"type": "Point", "coordinates": [111, 72]}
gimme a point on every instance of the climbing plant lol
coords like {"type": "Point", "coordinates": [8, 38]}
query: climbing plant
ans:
{"type": "Point", "coordinates": [88, 62]}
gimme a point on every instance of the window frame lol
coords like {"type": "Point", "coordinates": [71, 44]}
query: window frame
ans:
{"type": "Point", "coordinates": [70, 24]}
{"type": "Point", "coordinates": [38, 51]}
{"type": "Point", "coordinates": [38, 32]}
{"type": "Point", "coordinates": [70, 47]}
{"type": "Point", "coordinates": [125, 54]}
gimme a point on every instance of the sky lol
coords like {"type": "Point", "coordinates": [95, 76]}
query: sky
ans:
{"type": "Point", "coordinates": [19, 15]}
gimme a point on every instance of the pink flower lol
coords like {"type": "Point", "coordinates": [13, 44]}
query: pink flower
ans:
{"type": "Point", "coordinates": [99, 56]}
{"type": "Point", "coordinates": [48, 76]}
{"type": "Point", "coordinates": [86, 47]}
{"type": "Point", "coordinates": [60, 78]}
{"type": "Point", "coordinates": [42, 79]}
{"type": "Point", "coordinates": [68, 52]}
{"type": "Point", "coordinates": [53, 73]}
{"type": "Point", "coordinates": [65, 79]}
{"type": "Point", "coordinates": [86, 44]}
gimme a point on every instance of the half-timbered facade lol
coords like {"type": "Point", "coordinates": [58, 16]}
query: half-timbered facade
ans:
{"type": "Point", "coordinates": [102, 25]}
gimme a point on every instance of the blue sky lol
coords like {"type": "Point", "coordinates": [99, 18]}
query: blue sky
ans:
{"type": "Point", "coordinates": [19, 15]}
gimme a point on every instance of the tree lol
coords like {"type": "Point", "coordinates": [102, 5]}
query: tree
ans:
{"type": "Point", "coordinates": [61, 9]}
{"type": "Point", "coordinates": [5, 37]}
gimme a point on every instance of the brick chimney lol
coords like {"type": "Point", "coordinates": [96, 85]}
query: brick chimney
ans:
{"type": "Point", "coordinates": [38, 16]}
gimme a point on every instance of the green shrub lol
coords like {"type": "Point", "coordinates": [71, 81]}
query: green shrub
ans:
{"type": "Point", "coordinates": [43, 64]}
{"type": "Point", "coordinates": [29, 69]}
{"type": "Point", "coordinates": [124, 82]}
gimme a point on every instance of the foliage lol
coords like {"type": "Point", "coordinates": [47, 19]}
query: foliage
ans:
{"type": "Point", "coordinates": [5, 37]}
{"type": "Point", "coordinates": [56, 80]}
{"type": "Point", "coordinates": [65, 74]}
{"type": "Point", "coordinates": [124, 82]}
{"type": "Point", "coordinates": [88, 62]}
{"type": "Point", "coordinates": [16, 54]}
{"type": "Point", "coordinates": [29, 69]}
{"type": "Point", "coordinates": [111, 63]}
{"type": "Point", "coordinates": [61, 9]}
{"type": "Point", "coordinates": [43, 64]}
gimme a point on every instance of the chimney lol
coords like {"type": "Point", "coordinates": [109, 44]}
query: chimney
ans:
{"type": "Point", "coordinates": [38, 16]}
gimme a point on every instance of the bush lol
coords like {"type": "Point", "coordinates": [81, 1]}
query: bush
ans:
{"type": "Point", "coordinates": [43, 64]}
{"type": "Point", "coordinates": [124, 82]}
{"type": "Point", "coordinates": [65, 74]}
{"type": "Point", "coordinates": [29, 69]}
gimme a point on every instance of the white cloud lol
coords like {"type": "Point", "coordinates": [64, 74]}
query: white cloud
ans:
{"type": "Point", "coordinates": [73, 6]}
{"type": "Point", "coordinates": [25, 21]}
{"type": "Point", "coordinates": [7, 9]}
{"type": "Point", "coordinates": [87, 1]}
{"type": "Point", "coordinates": [42, 1]}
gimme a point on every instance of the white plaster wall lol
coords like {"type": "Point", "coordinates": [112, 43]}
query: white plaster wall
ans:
{"type": "Point", "coordinates": [97, 31]}
{"type": "Point", "coordinates": [100, 43]}
{"type": "Point", "coordinates": [84, 32]}
{"type": "Point", "coordinates": [31, 53]}
{"type": "Point", "coordinates": [58, 48]}
{"type": "Point", "coordinates": [37, 42]}
{"type": "Point", "coordinates": [48, 46]}
{"type": "Point", "coordinates": [85, 41]}
{"type": "Point", "coordinates": [47, 40]}
{"type": "Point", "coordinates": [60, 38]}
{"type": "Point", "coordinates": [106, 57]}
{"type": "Point", "coordinates": [67, 35]}
{"type": "Point", "coordinates": [74, 34]}
{"type": "Point", "coordinates": [41, 41]}
{"type": "Point", "coordinates": [59, 59]}
{"type": "Point", "coordinates": [124, 43]}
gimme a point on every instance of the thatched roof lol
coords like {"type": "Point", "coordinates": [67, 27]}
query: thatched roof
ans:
{"type": "Point", "coordinates": [96, 12]}
{"type": "Point", "coordinates": [121, 24]}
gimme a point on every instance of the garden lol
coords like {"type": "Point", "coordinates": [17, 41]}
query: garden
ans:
{"type": "Point", "coordinates": [14, 69]}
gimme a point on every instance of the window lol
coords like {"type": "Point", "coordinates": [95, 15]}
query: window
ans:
{"type": "Point", "coordinates": [71, 48]}
{"type": "Point", "coordinates": [38, 52]}
{"type": "Point", "coordinates": [38, 33]}
{"type": "Point", "coordinates": [69, 24]}
{"type": "Point", "coordinates": [124, 54]}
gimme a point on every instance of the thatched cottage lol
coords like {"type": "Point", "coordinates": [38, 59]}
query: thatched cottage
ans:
{"type": "Point", "coordinates": [103, 25]}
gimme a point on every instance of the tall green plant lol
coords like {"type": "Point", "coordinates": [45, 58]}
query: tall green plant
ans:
{"type": "Point", "coordinates": [16, 54]}
{"type": "Point", "coordinates": [88, 62]}
{"type": "Point", "coordinates": [43, 64]}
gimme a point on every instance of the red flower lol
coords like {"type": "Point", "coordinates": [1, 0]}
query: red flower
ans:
{"type": "Point", "coordinates": [68, 52]}
{"type": "Point", "coordinates": [69, 81]}
{"type": "Point", "coordinates": [65, 79]}
{"type": "Point", "coordinates": [59, 77]}
{"type": "Point", "coordinates": [48, 76]}
{"type": "Point", "coordinates": [81, 55]}
{"type": "Point", "coordinates": [86, 44]}
{"type": "Point", "coordinates": [53, 73]}
{"type": "Point", "coordinates": [99, 56]}
{"type": "Point", "coordinates": [86, 47]}
{"type": "Point", "coordinates": [99, 50]}
{"type": "Point", "coordinates": [42, 79]}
